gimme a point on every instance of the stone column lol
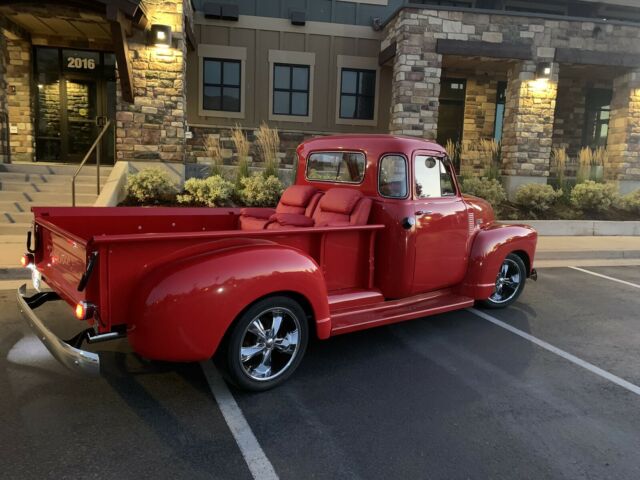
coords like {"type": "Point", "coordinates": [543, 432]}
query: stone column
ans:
{"type": "Point", "coordinates": [152, 128]}
{"type": "Point", "coordinates": [4, 127]}
{"type": "Point", "coordinates": [528, 126]}
{"type": "Point", "coordinates": [416, 77]}
{"type": "Point", "coordinates": [19, 97]}
{"type": "Point", "coordinates": [624, 133]}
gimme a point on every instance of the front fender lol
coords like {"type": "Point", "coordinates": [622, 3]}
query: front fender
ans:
{"type": "Point", "coordinates": [182, 310]}
{"type": "Point", "coordinates": [490, 247]}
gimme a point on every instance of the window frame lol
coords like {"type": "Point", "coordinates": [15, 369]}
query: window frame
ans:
{"type": "Point", "coordinates": [406, 175]}
{"type": "Point", "coordinates": [356, 63]}
{"type": "Point", "coordinates": [308, 163]}
{"type": "Point", "coordinates": [357, 95]}
{"type": "Point", "coordinates": [290, 90]}
{"type": "Point", "coordinates": [222, 52]}
{"type": "Point", "coordinates": [296, 59]}
{"type": "Point", "coordinates": [222, 85]}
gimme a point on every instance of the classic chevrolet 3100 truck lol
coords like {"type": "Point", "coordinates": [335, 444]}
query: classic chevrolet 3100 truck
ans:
{"type": "Point", "coordinates": [374, 231]}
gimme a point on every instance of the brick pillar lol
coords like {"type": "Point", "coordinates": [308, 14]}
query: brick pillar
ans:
{"type": "Point", "coordinates": [624, 133]}
{"type": "Point", "coordinates": [20, 99]}
{"type": "Point", "coordinates": [4, 127]}
{"type": "Point", "coordinates": [416, 77]}
{"type": "Point", "coordinates": [153, 126]}
{"type": "Point", "coordinates": [528, 126]}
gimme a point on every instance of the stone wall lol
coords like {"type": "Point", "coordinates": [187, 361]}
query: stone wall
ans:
{"type": "Point", "coordinates": [529, 110]}
{"type": "Point", "coordinates": [20, 102]}
{"type": "Point", "coordinates": [4, 126]}
{"type": "Point", "coordinates": [569, 115]}
{"type": "Point", "coordinates": [153, 126]}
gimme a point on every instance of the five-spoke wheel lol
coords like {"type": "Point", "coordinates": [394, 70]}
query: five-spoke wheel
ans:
{"type": "Point", "coordinates": [509, 282]}
{"type": "Point", "coordinates": [266, 344]}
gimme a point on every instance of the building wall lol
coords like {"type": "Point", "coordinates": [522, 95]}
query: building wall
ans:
{"type": "Point", "coordinates": [4, 126]}
{"type": "Point", "coordinates": [258, 43]}
{"type": "Point", "coordinates": [20, 102]}
{"type": "Point", "coordinates": [153, 126]}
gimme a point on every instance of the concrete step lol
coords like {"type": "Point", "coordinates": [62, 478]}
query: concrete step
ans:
{"type": "Point", "coordinates": [12, 207]}
{"type": "Point", "coordinates": [52, 168]}
{"type": "Point", "coordinates": [14, 229]}
{"type": "Point", "coordinates": [39, 178]}
{"type": "Point", "coordinates": [14, 217]}
{"type": "Point", "coordinates": [62, 188]}
{"type": "Point", "coordinates": [45, 198]}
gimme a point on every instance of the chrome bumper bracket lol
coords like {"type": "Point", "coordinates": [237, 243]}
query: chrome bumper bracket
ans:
{"type": "Point", "coordinates": [74, 359]}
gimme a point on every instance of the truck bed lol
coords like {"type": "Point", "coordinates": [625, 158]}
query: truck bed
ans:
{"type": "Point", "coordinates": [131, 242]}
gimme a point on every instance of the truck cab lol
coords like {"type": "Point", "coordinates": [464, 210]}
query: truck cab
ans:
{"type": "Point", "coordinates": [374, 230]}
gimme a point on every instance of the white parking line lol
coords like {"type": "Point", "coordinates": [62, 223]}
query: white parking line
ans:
{"type": "Point", "coordinates": [607, 277]}
{"type": "Point", "coordinates": [258, 463]}
{"type": "Point", "coordinates": [567, 356]}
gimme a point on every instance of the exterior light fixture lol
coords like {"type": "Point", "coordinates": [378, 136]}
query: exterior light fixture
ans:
{"type": "Point", "coordinates": [544, 71]}
{"type": "Point", "coordinates": [160, 35]}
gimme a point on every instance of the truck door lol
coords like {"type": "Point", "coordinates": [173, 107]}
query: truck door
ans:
{"type": "Point", "coordinates": [441, 225]}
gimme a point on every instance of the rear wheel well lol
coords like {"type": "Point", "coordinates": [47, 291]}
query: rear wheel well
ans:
{"type": "Point", "coordinates": [525, 259]}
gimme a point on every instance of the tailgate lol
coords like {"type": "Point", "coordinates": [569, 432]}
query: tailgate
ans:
{"type": "Point", "coordinates": [61, 257]}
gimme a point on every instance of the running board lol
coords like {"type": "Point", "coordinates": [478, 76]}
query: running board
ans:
{"type": "Point", "coordinates": [394, 311]}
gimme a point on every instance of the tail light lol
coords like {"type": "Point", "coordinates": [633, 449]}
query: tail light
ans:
{"type": "Point", "coordinates": [84, 310]}
{"type": "Point", "coordinates": [26, 260]}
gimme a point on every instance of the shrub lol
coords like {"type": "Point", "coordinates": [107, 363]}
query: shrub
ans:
{"type": "Point", "coordinates": [213, 191]}
{"type": "Point", "coordinates": [631, 202]}
{"type": "Point", "coordinates": [214, 151]}
{"type": "Point", "coordinates": [268, 142]}
{"type": "Point", "coordinates": [536, 197]}
{"type": "Point", "coordinates": [242, 149]}
{"type": "Point", "coordinates": [489, 189]}
{"type": "Point", "coordinates": [592, 196]}
{"type": "Point", "coordinates": [150, 185]}
{"type": "Point", "coordinates": [258, 191]}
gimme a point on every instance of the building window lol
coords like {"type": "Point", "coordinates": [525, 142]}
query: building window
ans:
{"type": "Point", "coordinates": [290, 89]}
{"type": "Point", "coordinates": [501, 97]}
{"type": "Point", "coordinates": [342, 167]}
{"type": "Point", "coordinates": [597, 115]}
{"type": "Point", "coordinates": [357, 94]}
{"type": "Point", "coordinates": [221, 80]}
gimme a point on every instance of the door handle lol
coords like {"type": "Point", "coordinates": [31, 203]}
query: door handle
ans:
{"type": "Point", "coordinates": [423, 212]}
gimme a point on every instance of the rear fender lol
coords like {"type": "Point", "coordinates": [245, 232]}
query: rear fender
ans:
{"type": "Point", "coordinates": [490, 247]}
{"type": "Point", "coordinates": [182, 310]}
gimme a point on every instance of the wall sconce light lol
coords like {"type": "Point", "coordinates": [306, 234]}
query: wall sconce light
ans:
{"type": "Point", "coordinates": [160, 35]}
{"type": "Point", "coordinates": [544, 71]}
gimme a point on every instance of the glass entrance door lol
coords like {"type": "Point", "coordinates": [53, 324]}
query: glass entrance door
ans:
{"type": "Point", "coordinates": [81, 99]}
{"type": "Point", "coordinates": [75, 89]}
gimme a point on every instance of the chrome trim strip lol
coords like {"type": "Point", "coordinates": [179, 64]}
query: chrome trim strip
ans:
{"type": "Point", "coordinates": [74, 359]}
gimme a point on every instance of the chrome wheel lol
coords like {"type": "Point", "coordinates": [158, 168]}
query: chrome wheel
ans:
{"type": "Point", "coordinates": [270, 344]}
{"type": "Point", "coordinates": [508, 282]}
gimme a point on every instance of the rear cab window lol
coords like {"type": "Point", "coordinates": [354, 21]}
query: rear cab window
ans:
{"type": "Point", "coordinates": [392, 177]}
{"type": "Point", "coordinates": [432, 178]}
{"type": "Point", "coordinates": [339, 167]}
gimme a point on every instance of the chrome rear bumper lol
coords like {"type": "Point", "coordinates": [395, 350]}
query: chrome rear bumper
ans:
{"type": "Point", "coordinates": [74, 359]}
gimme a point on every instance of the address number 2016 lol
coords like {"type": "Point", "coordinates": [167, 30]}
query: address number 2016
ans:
{"type": "Point", "coordinates": [84, 63]}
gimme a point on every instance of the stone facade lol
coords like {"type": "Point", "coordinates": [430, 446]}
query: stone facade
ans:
{"type": "Point", "coordinates": [624, 132]}
{"type": "Point", "coordinates": [569, 115]}
{"type": "Point", "coordinates": [20, 100]}
{"type": "Point", "coordinates": [530, 110]}
{"type": "Point", "coordinates": [4, 125]}
{"type": "Point", "coordinates": [153, 126]}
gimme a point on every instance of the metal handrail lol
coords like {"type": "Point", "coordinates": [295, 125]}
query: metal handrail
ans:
{"type": "Point", "coordinates": [97, 142]}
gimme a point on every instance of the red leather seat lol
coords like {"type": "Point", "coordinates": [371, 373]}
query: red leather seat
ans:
{"type": "Point", "coordinates": [337, 207]}
{"type": "Point", "coordinates": [342, 206]}
{"type": "Point", "coordinates": [297, 200]}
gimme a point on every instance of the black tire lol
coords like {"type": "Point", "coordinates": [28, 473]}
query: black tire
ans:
{"type": "Point", "coordinates": [509, 284]}
{"type": "Point", "coordinates": [272, 360]}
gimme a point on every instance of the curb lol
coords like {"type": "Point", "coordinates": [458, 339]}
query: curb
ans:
{"type": "Point", "coordinates": [588, 255]}
{"type": "Point", "coordinates": [581, 228]}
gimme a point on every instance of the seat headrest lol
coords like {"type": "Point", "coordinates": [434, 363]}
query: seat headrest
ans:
{"type": "Point", "coordinates": [340, 200]}
{"type": "Point", "coordinates": [297, 195]}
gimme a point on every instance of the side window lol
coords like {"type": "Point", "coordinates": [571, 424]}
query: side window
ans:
{"type": "Point", "coordinates": [432, 178]}
{"type": "Point", "coordinates": [344, 167]}
{"type": "Point", "coordinates": [392, 179]}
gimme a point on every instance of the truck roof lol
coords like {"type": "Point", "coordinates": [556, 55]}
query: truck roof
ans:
{"type": "Point", "coordinates": [375, 142]}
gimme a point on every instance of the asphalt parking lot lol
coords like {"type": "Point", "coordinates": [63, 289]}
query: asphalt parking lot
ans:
{"type": "Point", "coordinates": [545, 389]}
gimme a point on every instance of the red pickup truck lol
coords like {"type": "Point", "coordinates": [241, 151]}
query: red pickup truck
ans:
{"type": "Point", "coordinates": [374, 231]}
